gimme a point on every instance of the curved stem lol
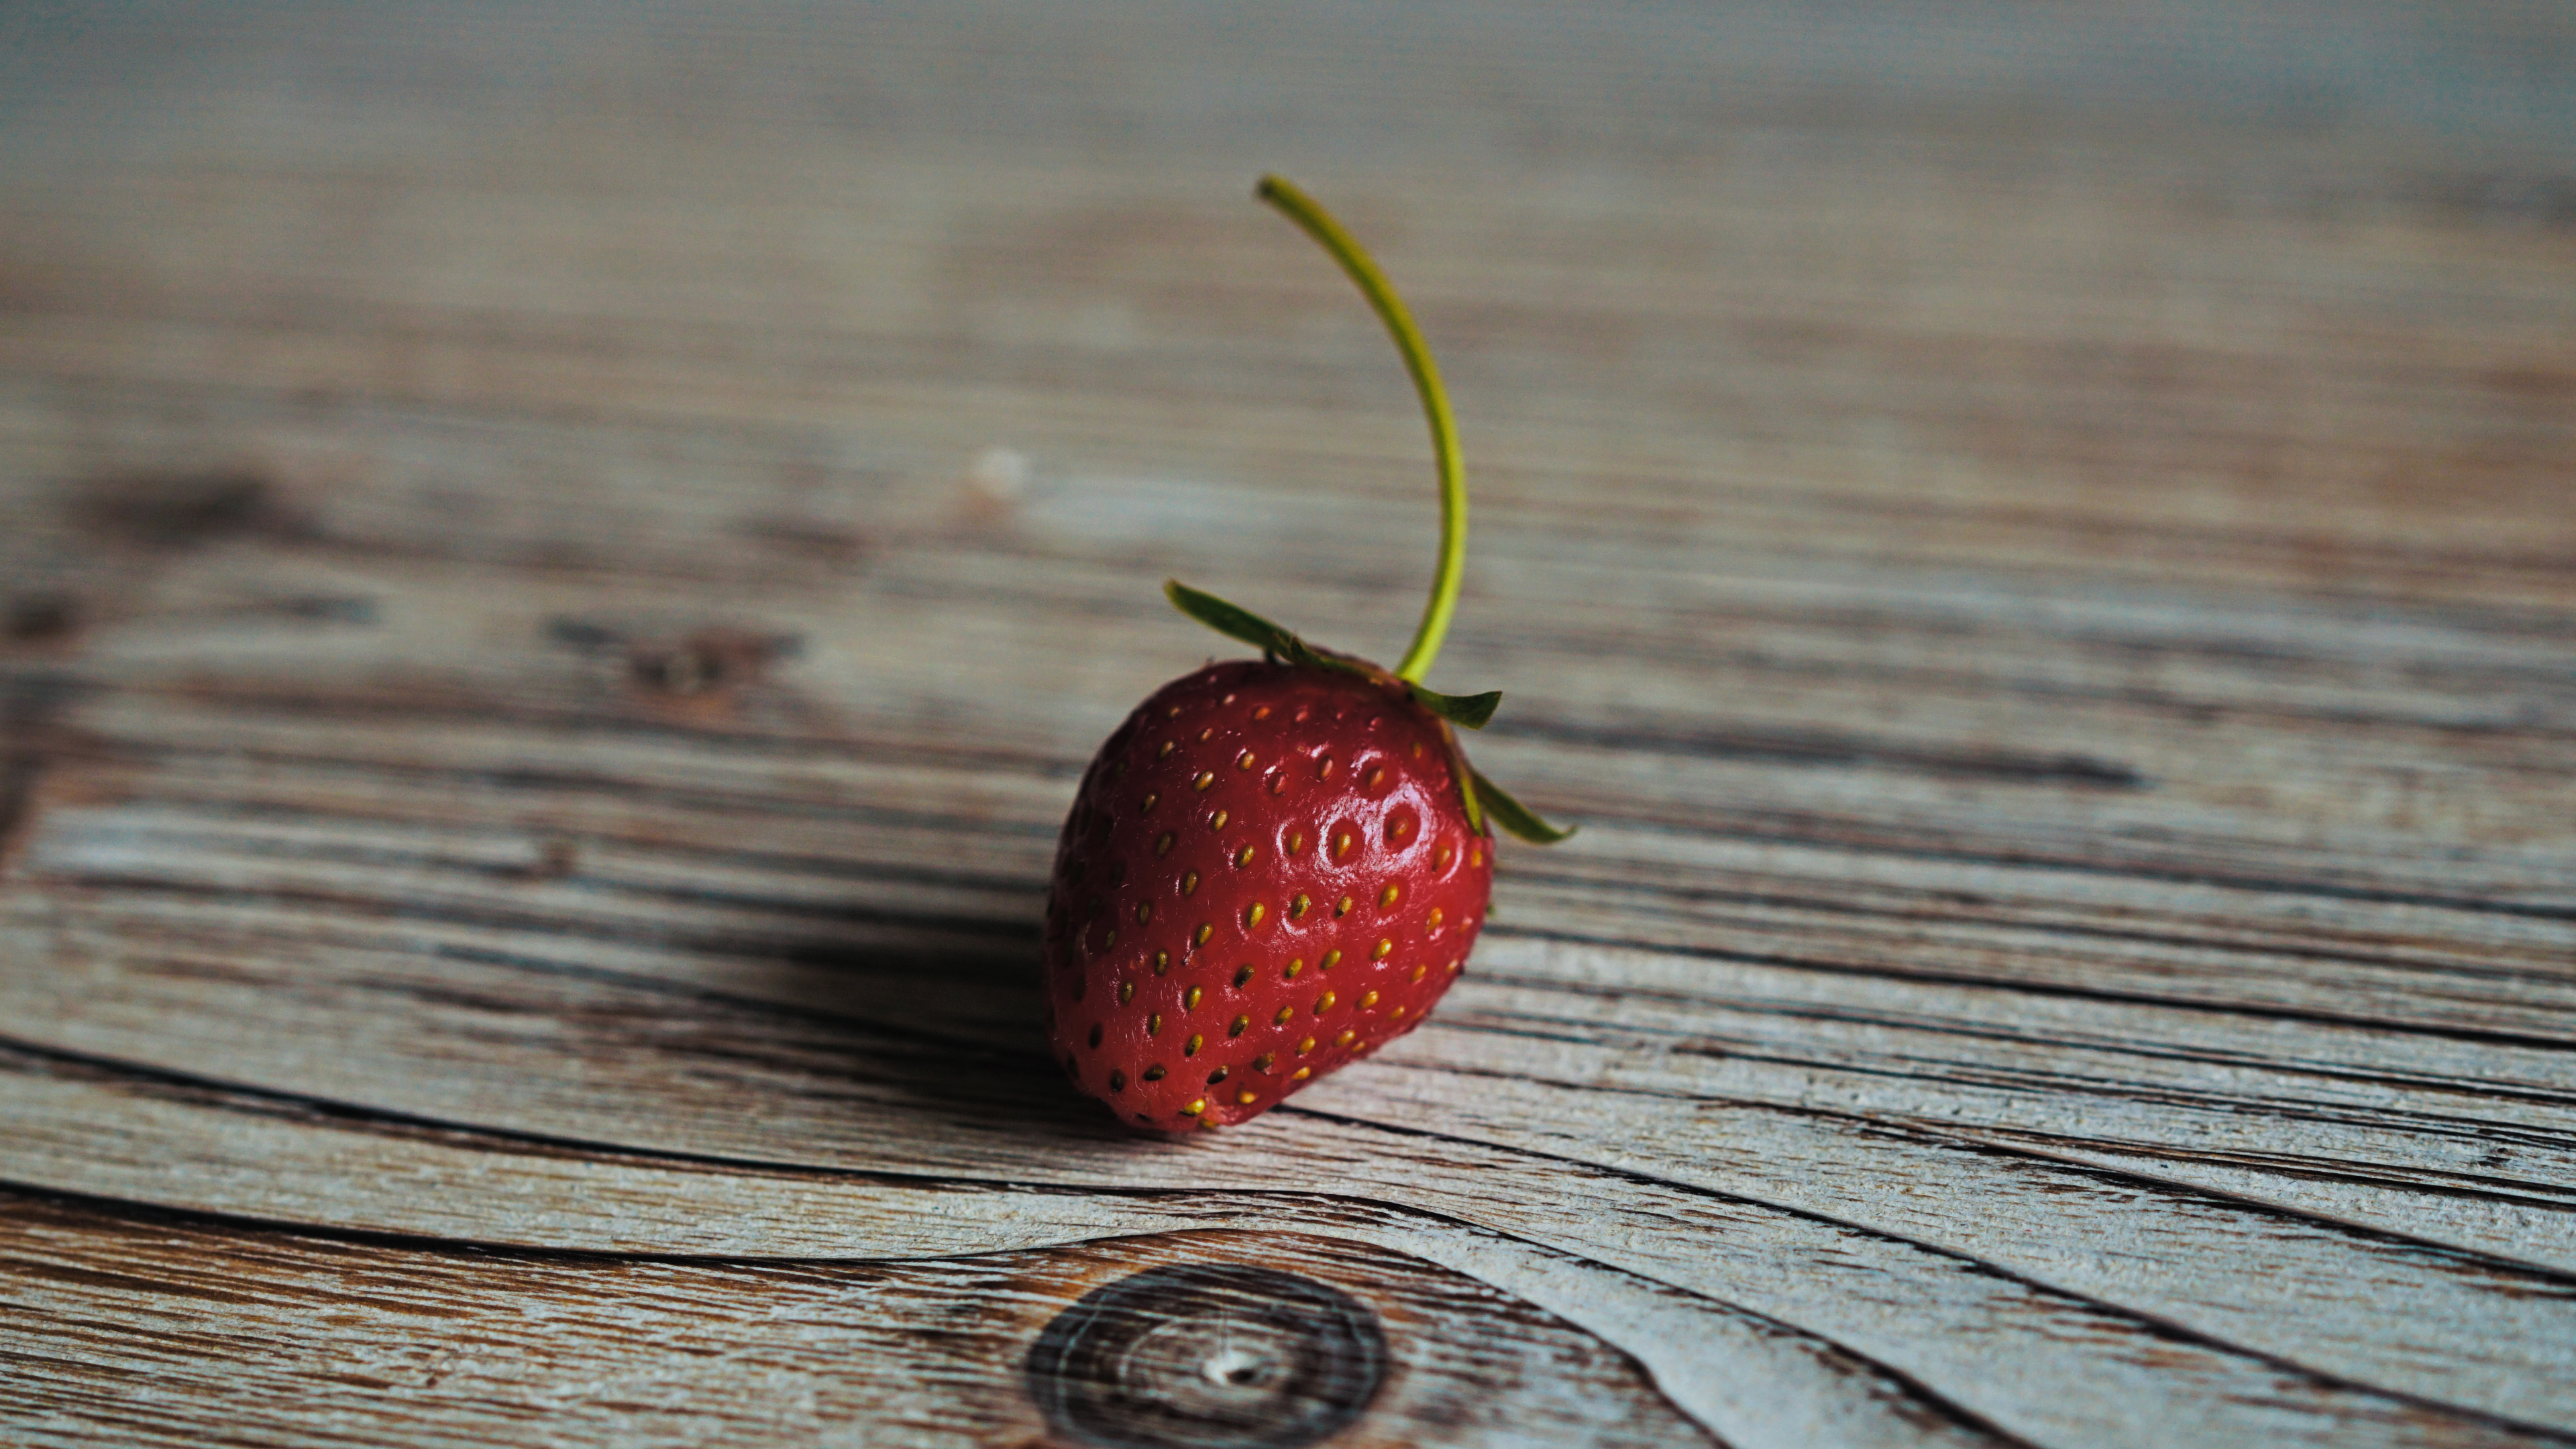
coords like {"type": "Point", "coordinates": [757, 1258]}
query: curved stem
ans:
{"type": "Point", "coordinates": [1318, 223]}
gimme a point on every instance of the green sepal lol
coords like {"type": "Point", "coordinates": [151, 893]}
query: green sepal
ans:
{"type": "Point", "coordinates": [1471, 710]}
{"type": "Point", "coordinates": [1235, 622]}
{"type": "Point", "coordinates": [1226, 619]}
{"type": "Point", "coordinates": [1252, 629]}
{"type": "Point", "coordinates": [1466, 776]}
{"type": "Point", "coordinates": [1514, 816]}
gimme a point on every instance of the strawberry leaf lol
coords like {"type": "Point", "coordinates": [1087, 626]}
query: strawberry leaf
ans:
{"type": "Point", "coordinates": [1240, 623]}
{"type": "Point", "coordinates": [1301, 652]}
{"type": "Point", "coordinates": [1232, 622]}
{"type": "Point", "coordinates": [1466, 776]}
{"type": "Point", "coordinates": [1514, 816]}
{"type": "Point", "coordinates": [1471, 710]}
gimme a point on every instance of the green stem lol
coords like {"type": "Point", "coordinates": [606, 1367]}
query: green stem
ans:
{"type": "Point", "coordinates": [1318, 223]}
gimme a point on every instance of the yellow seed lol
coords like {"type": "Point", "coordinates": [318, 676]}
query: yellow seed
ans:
{"type": "Point", "coordinates": [1301, 1074]}
{"type": "Point", "coordinates": [1126, 992]}
{"type": "Point", "coordinates": [1305, 1045]}
{"type": "Point", "coordinates": [1346, 1038]}
{"type": "Point", "coordinates": [1246, 1097]}
{"type": "Point", "coordinates": [1368, 1002]}
{"type": "Point", "coordinates": [1189, 882]}
{"type": "Point", "coordinates": [1440, 857]}
{"type": "Point", "coordinates": [1252, 915]}
{"type": "Point", "coordinates": [1236, 1026]}
{"type": "Point", "coordinates": [1144, 912]}
{"type": "Point", "coordinates": [1113, 939]}
{"type": "Point", "coordinates": [1165, 752]}
{"type": "Point", "coordinates": [1342, 907]}
{"type": "Point", "coordinates": [1262, 713]}
{"type": "Point", "coordinates": [1341, 844]}
{"type": "Point", "coordinates": [1417, 749]}
{"type": "Point", "coordinates": [1206, 734]}
{"type": "Point", "coordinates": [1324, 768]}
{"type": "Point", "coordinates": [1217, 821]}
{"type": "Point", "coordinates": [1244, 761]}
{"type": "Point", "coordinates": [1278, 784]}
{"type": "Point", "coordinates": [1398, 828]}
{"type": "Point", "coordinates": [1323, 1003]}
{"type": "Point", "coordinates": [1163, 846]}
{"type": "Point", "coordinates": [1152, 798]}
{"type": "Point", "coordinates": [1383, 947]}
{"type": "Point", "coordinates": [1475, 855]}
{"type": "Point", "coordinates": [1387, 897]}
{"type": "Point", "coordinates": [1285, 1012]}
{"type": "Point", "coordinates": [1431, 923]}
{"type": "Point", "coordinates": [1190, 999]}
{"type": "Point", "coordinates": [1190, 1048]}
{"type": "Point", "coordinates": [1154, 1024]}
{"type": "Point", "coordinates": [1242, 974]}
{"type": "Point", "coordinates": [1454, 964]}
{"type": "Point", "coordinates": [1397, 1014]}
{"type": "Point", "coordinates": [1194, 1108]}
{"type": "Point", "coordinates": [1205, 779]}
{"type": "Point", "coordinates": [1297, 908]}
{"type": "Point", "coordinates": [1176, 712]}
{"type": "Point", "coordinates": [1376, 776]}
{"type": "Point", "coordinates": [1418, 972]}
{"type": "Point", "coordinates": [1200, 936]}
{"type": "Point", "coordinates": [1162, 962]}
{"type": "Point", "coordinates": [1331, 959]}
{"type": "Point", "coordinates": [1243, 857]}
{"type": "Point", "coordinates": [1296, 841]}
{"type": "Point", "coordinates": [1295, 965]}
{"type": "Point", "coordinates": [1262, 1062]}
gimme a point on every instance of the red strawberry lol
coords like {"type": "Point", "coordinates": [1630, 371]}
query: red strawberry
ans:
{"type": "Point", "coordinates": [1274, 866]}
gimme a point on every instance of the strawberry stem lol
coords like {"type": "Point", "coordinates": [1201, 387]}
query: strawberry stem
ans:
{"type": "Point", "coordinates": [1318, 223]}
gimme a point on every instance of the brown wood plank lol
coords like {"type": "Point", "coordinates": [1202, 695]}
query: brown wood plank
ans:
{"type": "Point", "coordinates": [557, 569]}
{"type": "Point", "coordinates": [143, 1326]}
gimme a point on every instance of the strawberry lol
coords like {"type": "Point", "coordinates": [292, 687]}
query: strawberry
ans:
{"type": "Point", "coordinates": [1275, 866]}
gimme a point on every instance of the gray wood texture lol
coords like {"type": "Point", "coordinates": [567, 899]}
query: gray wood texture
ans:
{"type": "Point", "coordinates": [560, 565]}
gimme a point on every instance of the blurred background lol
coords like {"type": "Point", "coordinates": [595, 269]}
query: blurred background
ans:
{"type": "Point", "coordinates": [1804, 345]}
{"type": "Point", "coordinates": [1953, 368]}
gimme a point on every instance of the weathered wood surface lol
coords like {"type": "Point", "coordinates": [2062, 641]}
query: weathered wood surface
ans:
{"type": "Point", "coordinates": [559, 570]}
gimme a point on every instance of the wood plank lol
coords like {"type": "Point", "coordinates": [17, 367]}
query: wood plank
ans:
{"type": "Point", "coordinates": [140, 1325]}
{"type": "Point", "coordinates": [275, 1160]}
{"type": "Point", "coordinates": [558, 572]}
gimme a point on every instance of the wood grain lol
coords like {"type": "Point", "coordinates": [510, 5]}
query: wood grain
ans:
{"type": "Point", "coordinates": [558, 574]}
{"type": "Point", "coordinates": [150, 1324]}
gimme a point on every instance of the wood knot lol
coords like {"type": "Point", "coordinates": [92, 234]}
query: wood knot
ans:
{"type": "Point", "coordinates": [42, 617]}
{"type": "Point", "coordinates": [714, 661]}
{"type": "Point", "coordinates": [707, 661]}
{"type": "Point", "coordinates": [179, 510]}
{"type": "Point", "coordinates": [1207, 1354]}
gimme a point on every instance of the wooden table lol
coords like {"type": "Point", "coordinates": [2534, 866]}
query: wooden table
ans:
{"type": "Point", "coordinates": [560, 566]}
